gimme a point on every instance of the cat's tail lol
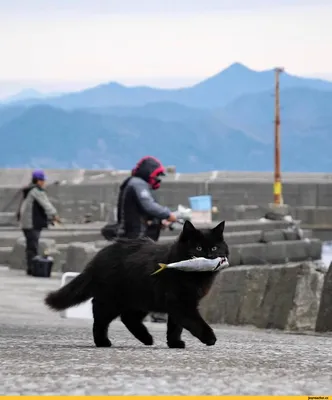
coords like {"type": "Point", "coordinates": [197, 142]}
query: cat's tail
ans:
{"type": "Point", "coordinates": [74, 293]}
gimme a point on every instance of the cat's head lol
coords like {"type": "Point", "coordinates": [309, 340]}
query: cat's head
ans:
{"type": "Point", "coordinates": [207, 243]}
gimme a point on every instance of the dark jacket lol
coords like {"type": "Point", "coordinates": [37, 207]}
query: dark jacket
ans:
{"type": "Point", "coordinates": [137, 206]}
{"type": "Point", "coordinates": [36, 210]}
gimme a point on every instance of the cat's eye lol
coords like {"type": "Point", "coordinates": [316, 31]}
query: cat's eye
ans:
{"type": "Point", "coordinates": [214, 248]}
{"type": "Point", "coordinates": [198, 248]}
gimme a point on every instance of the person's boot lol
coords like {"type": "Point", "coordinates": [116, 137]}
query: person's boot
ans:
{"type": "Point", "coordinates": [28, 268]}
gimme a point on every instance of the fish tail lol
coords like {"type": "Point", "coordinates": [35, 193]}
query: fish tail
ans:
{"type": "Point", "coordinates": [162, 267]}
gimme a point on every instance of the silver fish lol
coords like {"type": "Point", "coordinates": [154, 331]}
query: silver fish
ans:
{"type": "Point", "coordinates": [199, 264]}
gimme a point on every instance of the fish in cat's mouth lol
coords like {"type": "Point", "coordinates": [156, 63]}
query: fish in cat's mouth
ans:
{"type": "Point", "coordinates": [197, 264]}
{"type": "Point", "coordinates": [223, 263]}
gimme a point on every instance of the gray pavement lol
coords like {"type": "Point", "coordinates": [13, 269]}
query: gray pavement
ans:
{"type": "Point", "coordinates": [41, 353]}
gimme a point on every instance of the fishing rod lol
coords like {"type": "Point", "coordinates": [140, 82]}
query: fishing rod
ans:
{"type": "Point", "coordinates": [179, 221]}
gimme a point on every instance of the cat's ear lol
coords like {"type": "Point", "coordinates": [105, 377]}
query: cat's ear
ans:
{"type": "Point", "coordinates": [188, 230]}
{"type": "Point", "coordinates": [219, 229]}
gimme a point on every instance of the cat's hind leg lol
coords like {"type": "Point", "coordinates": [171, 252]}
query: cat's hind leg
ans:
{"type": "Point", "coordinates": [133, 320]}
{"type": "Point", "coordinates": [174, 331]}
{"type": "Point", "coordinates": [103, 315]}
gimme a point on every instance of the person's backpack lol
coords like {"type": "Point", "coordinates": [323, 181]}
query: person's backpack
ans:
{"type": "Point", "coordinates": [110, 231]}
{"type": "Point", "coordinates": [153, 230]}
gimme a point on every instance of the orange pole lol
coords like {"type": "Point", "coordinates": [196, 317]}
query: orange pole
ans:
{"type": "Point", "coordinates": [277, 188]}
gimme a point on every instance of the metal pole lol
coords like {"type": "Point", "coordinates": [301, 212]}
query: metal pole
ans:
{"type": "Point", "coordinates": [277, 189]}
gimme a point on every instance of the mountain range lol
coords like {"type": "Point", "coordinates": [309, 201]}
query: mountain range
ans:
{"type": "Point", "coordinates": [224, 122]}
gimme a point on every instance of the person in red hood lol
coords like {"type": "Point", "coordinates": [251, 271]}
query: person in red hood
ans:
{"type": "Point", "coordinates": [137, 208]}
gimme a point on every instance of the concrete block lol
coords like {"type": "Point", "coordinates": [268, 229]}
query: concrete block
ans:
{"type": "Point", "coordinates": [78, 255]}
{"type": "Point", "coordinates": [307, 234]}
{"type": "Point", "coordinates": [226, 213]}
{"type": "Point", "coordinates": [223, 303]}
{"type": "Point", "coordinates": [234, 285]}
{"type": "Point", "coordinates": [302, 250]}
{"type": "Point", "coordinates": [8, 219]}
{"type": "Point", "coordinates": [8, 239]}
{"type": "Point", "coordinates": [242, 237]}
{"type": "Point", "coordinates": [306, 299]}
{"type": "Point", "coordinates": [66, 237]}
{"type": "Point", "coordinates": [272, 236]}
{"type": "Point", "coordinates": [297, 250]}
{"type": "Point", "coordinates": [290, 234]}
{"type": "Point", "coordinates": [277, 235]}
{"type": "Point", "coordinates": [281, 293]}
{"type": "Point", "coordinates": [256, 282]}
{"type": "Point", "coordinates": [324, 195]}
{"type": "Point", "coordinates": [62, 249]}
{"type": "Point", "coordinates": [5, 253]}
{"type": "Point", "coordinates": [254, 225]}
{"type": "Point", "coordinates": [282, 296]}
{"type": "Point", "coordinates": [276, 253]}
{"type": "Point", "coordinates": [17, 258]}
{"type": "Point", "coordinates": [314, 249]}
{"type": "Point", "coordinates": [318, 216]}
{"type": "Point", "coordinates": [277, 211]}
{"type": "Point", "coordinates": [253, 254]}
{"type": "Point", "coordinates": [245, 212]}
{"type": "Point", "coordinates": [265, 314]}
{"type": "Point", "coordinates": [324, 317]}
{"type": "Point", "coordinates": [234, 255]}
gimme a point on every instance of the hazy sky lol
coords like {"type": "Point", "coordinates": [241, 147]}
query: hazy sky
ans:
{"type": "Point", "coordinates": [77, 42]}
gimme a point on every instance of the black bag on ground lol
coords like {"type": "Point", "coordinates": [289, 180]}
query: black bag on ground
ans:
{"type": "Point", "coordinates": [42, 266]}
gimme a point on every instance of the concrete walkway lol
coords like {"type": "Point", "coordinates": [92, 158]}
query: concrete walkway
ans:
{"type": "Point", "coordinates": [41, 353]}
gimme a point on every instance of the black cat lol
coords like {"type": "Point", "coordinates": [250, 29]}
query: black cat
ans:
{"type": "Point", "coordinates": [119, 280]}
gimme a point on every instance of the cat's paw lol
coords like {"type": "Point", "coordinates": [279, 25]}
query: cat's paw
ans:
{"type": "Point", "coordinates": [211, 341]}
{"type": "Point", "coordinates": [209, 338]}
{"type": "Point", "coordinates": [147, 340]}
{"type": "Point", "coordinates": [103, 343]}
{"type": "Point", "coordinates": [176, 344]}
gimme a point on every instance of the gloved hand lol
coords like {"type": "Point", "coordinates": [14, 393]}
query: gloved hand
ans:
{"type": "Point", "coordinates": [172, 217]}
{"type": "Point", "coordinates": [57, 219]}
{"type": "Point", "coordinates": [165, 224]}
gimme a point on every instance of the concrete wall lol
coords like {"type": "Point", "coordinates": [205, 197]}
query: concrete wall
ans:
{"type": "Point", "coordinates": [100, 198]}
{"type": "Point", "coordinates": [80, 192]}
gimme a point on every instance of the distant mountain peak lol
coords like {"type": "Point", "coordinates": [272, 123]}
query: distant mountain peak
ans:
{"type": "Point", "coordinates": [232, 72]}
{"type": "Point", "coordinates": [114, 84]}
{"type": "Point", "coordinates": [237, 66]}
{"type": "Point", "coordinates": [24, 94]}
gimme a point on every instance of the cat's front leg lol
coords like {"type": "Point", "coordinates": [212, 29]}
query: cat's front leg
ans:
{"type": "Point", "coordinates": [191, 320]}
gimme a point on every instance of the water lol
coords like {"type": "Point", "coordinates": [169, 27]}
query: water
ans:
{"type": "Point", "coordinates": [327, 253]}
